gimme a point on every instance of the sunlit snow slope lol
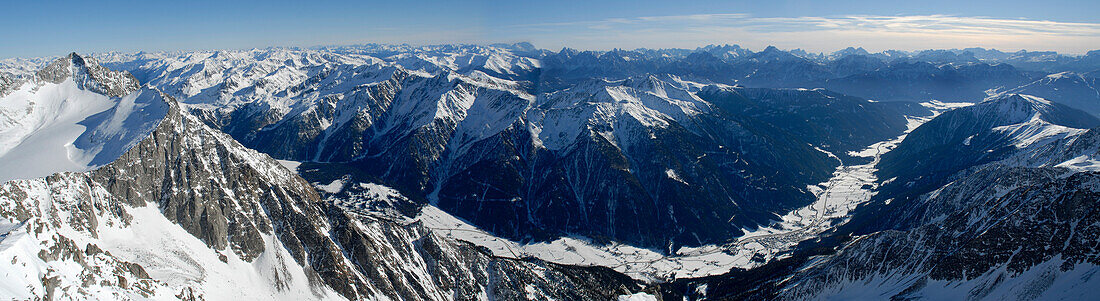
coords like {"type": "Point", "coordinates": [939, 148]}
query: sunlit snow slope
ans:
{"type": "Point", "coordinates": [73, 116]}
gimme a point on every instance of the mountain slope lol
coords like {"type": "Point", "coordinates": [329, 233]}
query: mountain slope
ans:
{"type": "Point", "coordinates": [1034, 239]}
{"type": "Point", "coordinates": [923, 81]}
{"type": "Point", "coordinates": [1011, 219]}
{"type": "Point", "coordinates": [1076, 90]}
{"type": "Point", "coordinates": [990, 131]}
{"type": "Point", "coordinates": [1016, 222]}
{"type": "Point", "coordinates": [593, 157]}
{"type": "Point", "coordinates": [189, 212]}
{"type": "Point", "coordinates": [73, 115]}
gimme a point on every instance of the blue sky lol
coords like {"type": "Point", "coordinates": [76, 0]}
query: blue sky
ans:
{"type": "Point", "coordinates": [46, 27]}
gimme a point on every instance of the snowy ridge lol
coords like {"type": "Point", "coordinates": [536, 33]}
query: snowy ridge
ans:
{"type": "Point", "coordinates": [162, 260]}
{"type": "Point", "coordinates": [67, 120]}
{"type": "Point", "coordinates": [1076, 90]}
{"type": "Point", "coordinates": [424, 130]}
{"type": "Point", "coordinates": [230, 78]}
{"type": "Point", "coordinates": [190, 213]}
{"type": "Point", "coordinates": [1037, 139]}
{"type": "Point", "coordinates": [999, 244]}
{"type": "Point", "coordinates": [989, 232]}
{"type": "Point", "coordinates": [602, 106]}
{"type": "Point", "coordinates": [172, 253]}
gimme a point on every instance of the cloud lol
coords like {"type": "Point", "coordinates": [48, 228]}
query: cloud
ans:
{"type": "Point", "coordinates": [813, 33]}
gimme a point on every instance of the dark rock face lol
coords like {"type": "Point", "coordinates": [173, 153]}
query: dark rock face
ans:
{"type": "Point", "coordinates": [998, 237]}
{"type": "Point", "coordinates": [231, 197]}
{"type": "Point", "coordinates": [8, 83]}
{"type": "Point", "coordinates": [218, 192]}
{"type": "Point", "coordinates": [689, 180]}
{"type": "Point", "coordinates": [228, 196]}
{"type": "Point", "coordinates": [832, 121]}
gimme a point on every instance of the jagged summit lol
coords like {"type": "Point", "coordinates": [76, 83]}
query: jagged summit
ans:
{"type": "Point", "coordinates": [850, 51]}
{"type": "Point", "coordinates": [88, 75]}
{"type": "Point", "coordinates": [189, 212]}
{"type": "Point", "coordinates": [771, 53]}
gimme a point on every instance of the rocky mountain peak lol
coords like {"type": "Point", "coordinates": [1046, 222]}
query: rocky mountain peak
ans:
{"type": "Point", "coordinates": [851, 51]}
{"type": "Point", "coordinates": [88, 75]}
{"type": "Point", "coordinates": [773, 54]}
{"type": "Point", "coordinates": [8, 82]}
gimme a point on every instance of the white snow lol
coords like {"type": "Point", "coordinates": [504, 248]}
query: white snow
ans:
{"type": "Point", "coordinates": [291, 165]}
{"type": "Point", "coordinates": [19, 262]}
{"type": "Point", "coordinates": [671, 174]}
{"type": "Point", "coordinates": [621, 111]}
{"type": "Point", "coordinates": [940, 107]}
{"type": "Point", "coordinates": [333, 187]}
{"type": "Point", "coordinates": [48, 128]}
{"type": "Point", "coordinates": [1082, 163]}
{"type": "Point", "coordinates": [637, 297]}
{"type": "Point", "coordinates": [1036, 130]}
{"type": "Point", "coordinates": [173, 258]}
{"type": "Point", "coordinates": [157, 244]}
{"type": "Point", "coordinates": [1045, 281]}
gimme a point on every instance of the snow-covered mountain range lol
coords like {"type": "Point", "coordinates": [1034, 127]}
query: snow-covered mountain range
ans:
{"type": "Point", "coordinates": [467, 129]}
{"type": "Point", "coordinates": [509, 172]}
{"type": "Point", "coordinates": [985, 202]}
{"type": "Point", "coordinates": [189, 213]}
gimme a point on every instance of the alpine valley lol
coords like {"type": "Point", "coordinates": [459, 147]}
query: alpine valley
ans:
{"type": "Point", "coordinates": [508, 172]}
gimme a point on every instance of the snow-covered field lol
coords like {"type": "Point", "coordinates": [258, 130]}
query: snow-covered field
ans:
{"type": "Point", "coordinates": [47, 127]}
{"type": "Point", "coordinates": [38, 126]}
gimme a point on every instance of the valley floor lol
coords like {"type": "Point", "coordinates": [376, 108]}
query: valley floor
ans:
{"type": "Point", "coordinates": [849, 187]}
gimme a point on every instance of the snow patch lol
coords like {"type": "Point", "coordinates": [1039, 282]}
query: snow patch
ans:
{"type": "Point", "coordinates": [291, 165]}
{"type": "Point", "coordinates": [333, 187]}
{"type": "Point", "coordinates": [637, 297]}
{"type": "Point", "coordinates": [671, 174]}
{"type": "Point", "coordinates": [1082, 163]}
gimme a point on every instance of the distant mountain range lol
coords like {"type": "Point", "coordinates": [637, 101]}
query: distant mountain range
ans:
{"type": "Point", "coordinates": [511, 172]}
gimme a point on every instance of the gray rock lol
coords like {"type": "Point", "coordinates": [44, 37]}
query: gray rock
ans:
{"type": "Point", "coordinates": [89, 76]}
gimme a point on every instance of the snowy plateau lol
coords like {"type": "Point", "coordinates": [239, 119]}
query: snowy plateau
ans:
{"type": "Point", "coordinates": [507, 172]}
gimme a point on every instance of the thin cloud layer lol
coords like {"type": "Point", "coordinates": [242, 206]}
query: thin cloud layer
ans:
{"type": "Point", "coordinates": [814, 33]}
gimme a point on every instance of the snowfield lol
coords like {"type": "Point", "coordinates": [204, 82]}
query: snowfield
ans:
{"type": "Point", "coordinates": [47, 128]}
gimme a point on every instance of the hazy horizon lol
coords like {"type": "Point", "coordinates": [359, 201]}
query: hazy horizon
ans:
{"type": "Point", "coordinates": [94, 53]}
{"type": "Point", "coordinates": [41, 28]}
